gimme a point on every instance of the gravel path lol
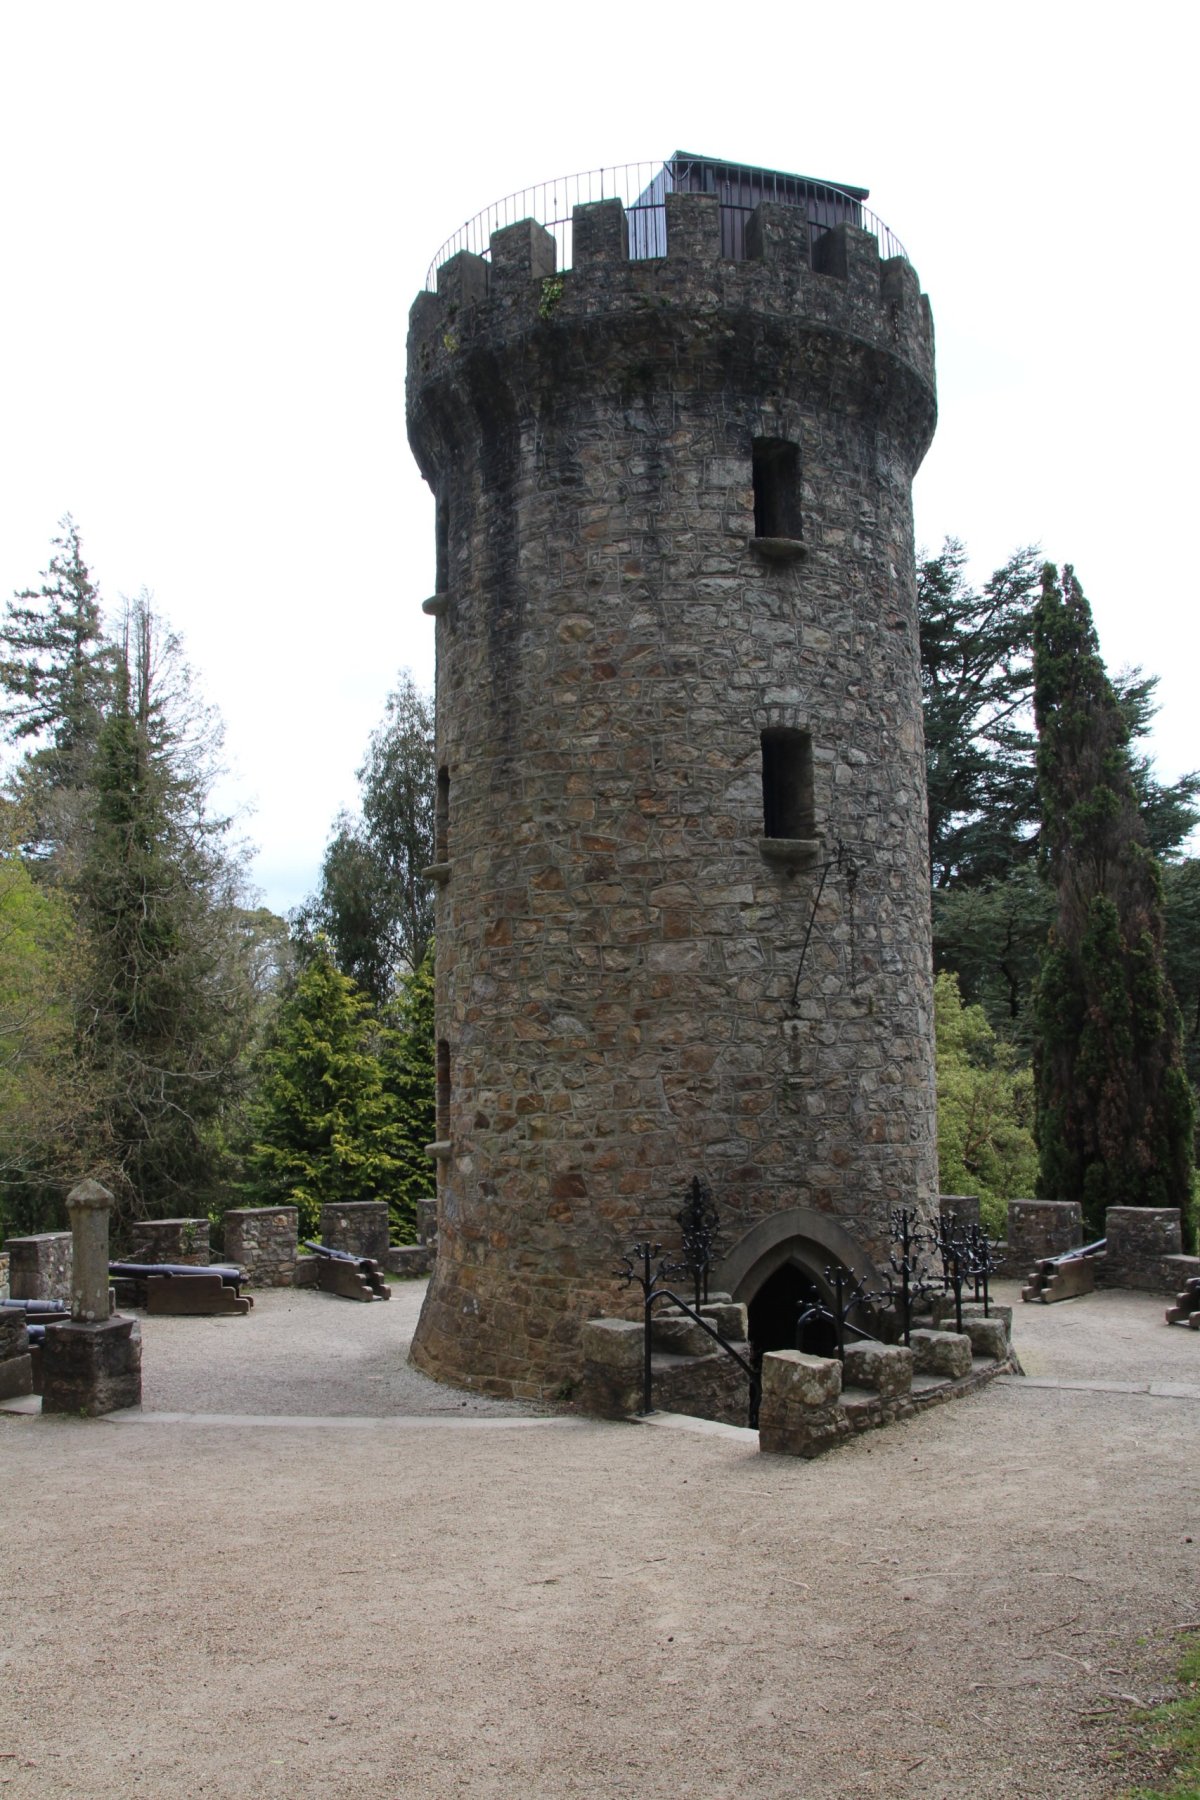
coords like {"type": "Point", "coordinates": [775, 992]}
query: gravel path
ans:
{"type": "Point", "coordinates": [373, 1589]}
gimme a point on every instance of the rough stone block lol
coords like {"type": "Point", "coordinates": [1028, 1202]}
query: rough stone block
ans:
{"type": "Point", "coordinates": [963, 1207]}
{"type": "Point", "coordinates": [522, 252]}
{"type": "Point", "coordinates": [16, 1375]}
{"type": "Point", "coordinates": [262, 1241]}
{"type": "Point", "coordinates": [40, 1266]}
{"type": "Point", "coordinates": [359, 1226]}
{"type": "Point", "coordinates": [941, 1353]}
{"type": "Point", "coordinates": [1138, 1238]}
{"type": "Point", "coordinates": [792, 1378]}
{"type": "Point", "coordinates": [679, 1335]}
{"type": "Point", "coordinates": [170, 1241]}
{"type": "Point", "coordinates": [92, 1369]}
{"type": "Point", "coordinates": [613, 1344]}
{"type": "Point", "coordinates": [885, 1368]}
{"type": "Point", "coordinates": [988, 1337]}
{"type": "Point", "coordinates": [693, 226]}
{"type": "Point", "coordinates": [1040, 1228]}
{"type": "Point", "coordinates": [729, 1317]}
{"type": "Point", "coordinates": [777, 233]}
{"type": "Point", "coordinates": [4, 1288]}
{"type": "Point", "coordinates": [600, 233]}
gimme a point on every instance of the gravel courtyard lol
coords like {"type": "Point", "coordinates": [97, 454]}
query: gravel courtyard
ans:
{"type": "Point", "coordinates": [303, 1569]}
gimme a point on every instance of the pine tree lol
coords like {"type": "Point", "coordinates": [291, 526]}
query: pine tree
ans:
{"type": "Point", "coordinates": [324, 1125]}
{"type": "Point", "coordinates": [409, 1074]}
{"type": "Point", "coordinates": [164, 1003]}
{"type": "Point", "coordinates": [1114, 1107]}
{"type": "Point", "coordinates": [57, 676]}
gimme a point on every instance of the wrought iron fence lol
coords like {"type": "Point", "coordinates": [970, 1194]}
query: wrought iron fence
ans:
{"type": "Point", "coordinates": [643, 187]}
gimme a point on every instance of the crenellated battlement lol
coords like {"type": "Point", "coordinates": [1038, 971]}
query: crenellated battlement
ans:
{"type": "Point", "coordinates": [792, 284]}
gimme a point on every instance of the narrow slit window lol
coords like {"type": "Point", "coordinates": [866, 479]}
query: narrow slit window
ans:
{"type": "Point", "coordinates": [443, 1090]}
{"type": "Point", "coordinates": [776, 468]}
{"type": "Point", "coordinates": [441, 817]}
{"type": "Point", "coordinates": [787, 782]}
{"type": "Point", "coordinates": [442, 545]}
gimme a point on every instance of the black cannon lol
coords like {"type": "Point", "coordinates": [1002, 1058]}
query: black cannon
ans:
{"type": "Point", "coordinates": [181, 1287]}
{"type": "Point", "coordinates": [351, 1277]}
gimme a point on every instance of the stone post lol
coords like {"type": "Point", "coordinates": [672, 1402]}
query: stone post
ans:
{"type": "Point", "coordinates": [93, 1362]}
{"type": "Point", "coordinates": [88, 1207]}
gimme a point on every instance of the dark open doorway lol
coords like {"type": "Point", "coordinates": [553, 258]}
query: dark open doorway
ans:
{"type": "Point", "coordinates": [776, 1307]}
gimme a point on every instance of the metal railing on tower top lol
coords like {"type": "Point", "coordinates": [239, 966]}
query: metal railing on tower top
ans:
{"type": "Point", "coordinates": [643, 187]}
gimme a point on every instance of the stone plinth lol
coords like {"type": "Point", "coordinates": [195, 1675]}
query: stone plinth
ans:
{"type": "Point", "coordinates": [1138, 1238]}
{"type": "Point", "coordinates": [359, 1226]}
{"type": "Point", "coordinates": [40, 1266]}
{"type": "Point", "coordinates": [612, 1349]}
{"type": "Point", "coordinates": [1038, 1228]}
{"type": "Point", "coordinates": [92, 1369]}
{"type": "Point", "coordinates": [171, 1241]}
{"type": "Point", "coordinates": [262, 1241]}
{"type": "Point", "coordinates": [4, 1293]}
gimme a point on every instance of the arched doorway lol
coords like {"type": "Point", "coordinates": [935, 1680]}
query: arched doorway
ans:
{"type": "Point", "coordinates": [778, 1267]}
{"type": "Point", "coordinates": [777, 1307]}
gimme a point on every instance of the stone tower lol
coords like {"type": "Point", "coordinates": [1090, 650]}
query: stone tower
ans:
{"type": "Point", "coordinates": [683, 906]}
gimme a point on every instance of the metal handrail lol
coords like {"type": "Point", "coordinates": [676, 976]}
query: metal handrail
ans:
{"type": "Point", "coordinates": [642, 186]}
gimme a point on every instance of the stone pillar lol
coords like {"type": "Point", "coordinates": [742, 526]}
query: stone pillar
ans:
{"type": "Point", "coordinates": [93, 1363]}
{"type": "Point", "coordinates": [1138, 1238]}
{"type": "Point", "coordinates": [1038, 1228]}
{"type": "Point", "coordinates": [358, 1226]}
{"type": "Point", "coordinates": [88, 1207]}
{"type": "Point", "coordinates": [261, 1240]}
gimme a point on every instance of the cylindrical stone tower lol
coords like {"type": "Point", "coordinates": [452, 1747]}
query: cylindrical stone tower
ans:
{"type": "Point", "coordinates": [683, 907]}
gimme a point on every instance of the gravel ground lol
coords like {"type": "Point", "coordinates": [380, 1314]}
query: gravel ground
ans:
{"type": "Point", "coordinates": [378, 1587]}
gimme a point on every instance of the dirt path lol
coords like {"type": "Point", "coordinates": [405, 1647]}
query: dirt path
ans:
{"type": "Point", "coordinates": [377, 1591]}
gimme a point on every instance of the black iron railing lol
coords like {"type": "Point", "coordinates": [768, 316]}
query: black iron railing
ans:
{"type": "Point", "coordinates": [643, 187]}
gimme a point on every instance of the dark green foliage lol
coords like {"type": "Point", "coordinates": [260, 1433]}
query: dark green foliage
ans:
{"type": "Point", "coordinates": [373, 906]}
{"type": "Point", "coordinates": [992, 937]}
{"type": "Point", "coordinates": [163, 1001]}
{"type": "Point", "coordinates": [324, 1123]}
{"type": "Point", "coordinates": [1115, 1111]}
{"type": "Point", "coordinates": [57, 676]}
{"type": "Point", "coordinates": [409, 1075]}
{"type": "Point", "coordinates": [975, 680]}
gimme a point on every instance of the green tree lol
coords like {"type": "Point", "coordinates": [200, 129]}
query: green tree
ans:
{"type": "Point", "coordinates": [1115, 1112]}
{"type": "Point", "coordinates": [409, 1075]}
{"type": "Point", "coordinates": [985, 1109]}
{"type": "Point", "coordinates": [324, 1124]}
{"type": "Point", "coordinates": [164, 1002]}
{"type": "Point", "coordinates": [57, 674]}
{"type": "Point", "coordinates": [372, 905]}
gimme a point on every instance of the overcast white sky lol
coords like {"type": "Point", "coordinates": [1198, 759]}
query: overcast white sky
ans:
{"type": "Point", "coordinates": [214, 219]}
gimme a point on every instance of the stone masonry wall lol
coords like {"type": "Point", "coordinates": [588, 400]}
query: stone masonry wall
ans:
{"type": "Point", "coordinates": [40, 1266]}
{"type": "Point", "coordinates": [620, 986]}
{"type": "Point", "coordinates": [262, 1241]}
{"type": "Point", "coordinates": [171, 1240]}
{"type": "Point", "coordinates": [360, 1226]}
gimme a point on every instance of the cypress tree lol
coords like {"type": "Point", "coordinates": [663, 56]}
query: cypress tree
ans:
{"type": "Point", "coordinates": [1114, 1106]}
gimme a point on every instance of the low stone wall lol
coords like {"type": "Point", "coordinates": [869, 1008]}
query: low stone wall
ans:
{"type": "Point", "coordinates": [262, 1241]}
{"type": "Point", "coordinates": [359, 1226]}
{"type": "Point", "coordinates": [40, 1266]}
{"type": "Point", "coordinates": [1137, 1240]}
{"type": "Point", "coordinates": [171, 1241]}
{"type": "Point", "coordinates": [811, 1403]}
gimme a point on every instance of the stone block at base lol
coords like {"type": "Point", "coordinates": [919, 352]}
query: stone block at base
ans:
{"type": "Point", "coordinates": [612, 1350]}
{"type": "Point", "coordinates": [92, 1369]}
{"type": "Point", "coordinates": [944, 1353]}
{"type": "Point", "coordinates": [988, 1337]}
{"type": "Point", "coordinates": [16, 1376]}
{"type": "Point", "coordinates": [792, 1378]}
{"type": "Point", "coordinates": [887, 1369]}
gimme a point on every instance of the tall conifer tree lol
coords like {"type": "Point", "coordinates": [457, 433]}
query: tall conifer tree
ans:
{"type": "Point", "coordinates": [1115, 1110]}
